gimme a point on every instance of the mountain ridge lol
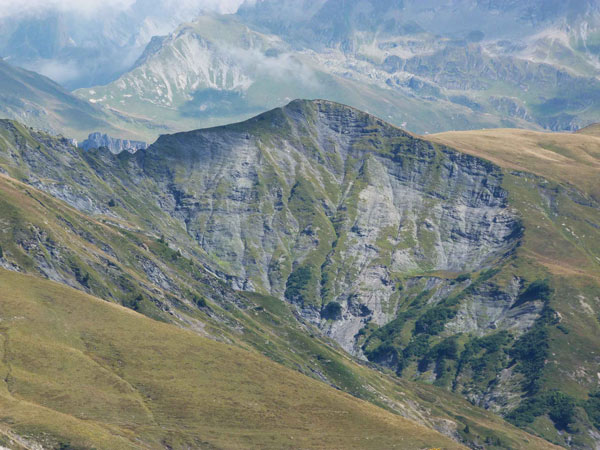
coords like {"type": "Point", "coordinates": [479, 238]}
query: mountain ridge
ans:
{"type": "Point", "coordinates": [410, 254]}
{"type": "Point", "coordinates": [110, 255]}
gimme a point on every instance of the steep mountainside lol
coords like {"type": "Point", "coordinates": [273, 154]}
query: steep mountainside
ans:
{"type": "Point", "coordinates": [113, 257]}
{"type": "Point", "coordinates": [437, 265]}
{"type": "Point", "coordinates": [39, 102]}
{"type": "Point", "coordinates": [334, 206]}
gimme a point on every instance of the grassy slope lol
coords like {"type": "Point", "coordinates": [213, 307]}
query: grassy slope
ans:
{"type": "Point", "coordinates": [107, 253]}
{"type": "Point", "coordinates": [567, 158]}
{"type": "Point", "coordinates": [591, 130]}
{"type": "Point", "coordinates": [84, 371]}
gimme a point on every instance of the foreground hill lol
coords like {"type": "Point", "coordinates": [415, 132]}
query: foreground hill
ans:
{"type": "Point", "coordinates": [436, 265]}
{"type": "Point", "coordinates": [81, 372]}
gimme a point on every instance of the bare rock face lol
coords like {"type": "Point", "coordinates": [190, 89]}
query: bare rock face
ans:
{"type": "Point", "coordinates": [316, 203]}
{"type": "Point", "coordinates": [319, 203]}
{"type": "Point", "coordinates": [116, 146]}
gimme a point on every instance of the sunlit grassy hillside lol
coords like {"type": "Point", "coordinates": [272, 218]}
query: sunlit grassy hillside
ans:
{"type": "Point", "coordinates": [570, 158]}
{"type": "Point", "coordinates": [80, 371]}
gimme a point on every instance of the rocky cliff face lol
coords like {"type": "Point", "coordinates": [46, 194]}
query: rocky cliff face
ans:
{"type": "Point", "coordinates": [419, 258]}
{"type": "Point", "coordinates": [334, 209]}
{"type": "Point", "coordinates": [115, 145]}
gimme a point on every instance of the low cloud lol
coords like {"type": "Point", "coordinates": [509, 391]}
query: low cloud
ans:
{"type": "Point", "coordinates": [18, 7]}
{"type": "Point", "coordinates": [281, 65]}
{"type": "Point", "coordinates": [63, 72]}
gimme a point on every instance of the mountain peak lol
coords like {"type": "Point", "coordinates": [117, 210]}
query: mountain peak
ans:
{"type": "Point", "coordinates": [299, 120]}
{"type": "Point", "coordinates": [331, 108]}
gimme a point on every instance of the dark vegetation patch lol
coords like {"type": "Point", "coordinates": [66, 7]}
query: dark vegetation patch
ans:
{"type": "Point", "coordinates": [295, 289]}
{"type": "Point", "coordinates": [199, 301]}
{"type": "Point", "coordinates": [531, 351]}
{"type": "Point", "coordinates": [559, 407]}
{"type": "Point", "coordinates": [538, 290]}
{"type": "Point", "coordinates": [529, 355]}
{"type": "Point", "coordinates": [462, 277]}
{"type": "Point", "coordinates": [479, 358]}
{"type": "Point", "coordinates": [386, 345]}
{"type": "Point", "coordinates": [592, 408]}
{"type": "Point", "coordinates": [434, 320]}
{"type": "Point", "coordinates": [332, 311]}
{"type": "Point", "coordinates": [485, 356]}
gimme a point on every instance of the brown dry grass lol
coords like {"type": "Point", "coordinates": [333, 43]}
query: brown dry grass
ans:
{"type": "Point", "coordinates": [563, 157]}
{"type": "Point", "coordinates": [94, 374]}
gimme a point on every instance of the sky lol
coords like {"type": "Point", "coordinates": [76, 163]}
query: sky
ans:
{"type": "Point", "coordinates": [12, 7]}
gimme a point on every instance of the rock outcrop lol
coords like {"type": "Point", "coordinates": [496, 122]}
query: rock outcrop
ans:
{"type": "Point", "coordinates": [115, 145]}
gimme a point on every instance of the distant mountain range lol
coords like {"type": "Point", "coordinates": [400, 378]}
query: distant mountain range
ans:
{"type": "Point", "coordinates": [217, 70]}
{"type": "Point", "coordinates": [400, 62]}
{"type": "Point", "coordinates": [41, 103]}
{"type": "Point", "coordinates": [503, 64]}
